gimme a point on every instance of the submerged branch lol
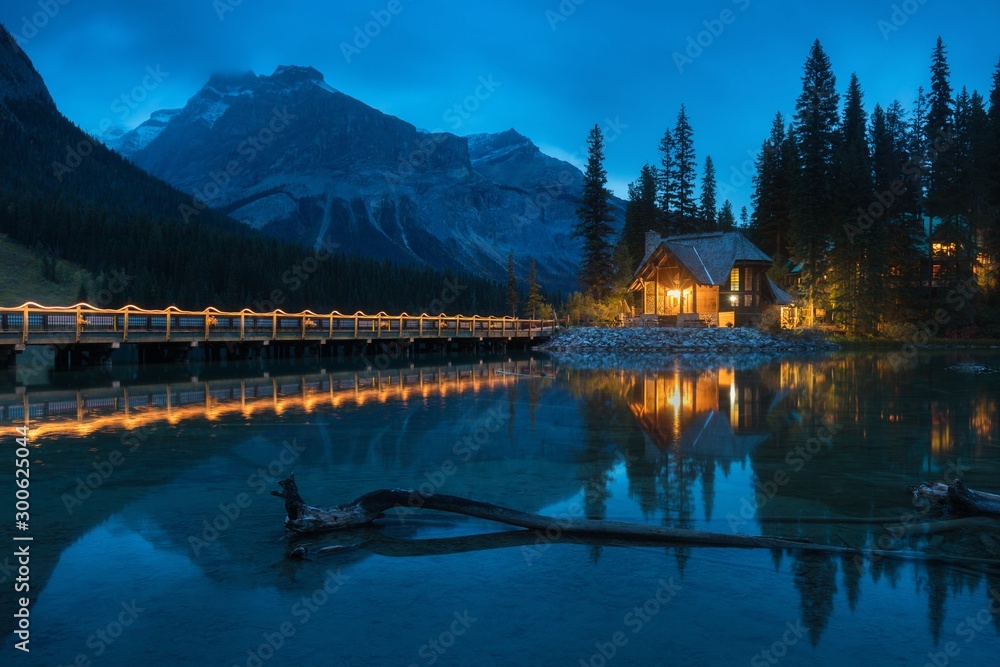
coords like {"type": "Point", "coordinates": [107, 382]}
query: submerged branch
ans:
{"type": "Point", "coordinates": [306, 519]}
{"type": "Point", "coordinates": [960, 499]}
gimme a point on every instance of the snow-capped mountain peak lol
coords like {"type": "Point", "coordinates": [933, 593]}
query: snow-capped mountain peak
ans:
{"type": "Point", "coordinates": [288, 154]}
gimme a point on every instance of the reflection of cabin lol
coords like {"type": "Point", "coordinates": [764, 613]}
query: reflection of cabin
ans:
{"type": "Point", "coordinates": [708, 414]}
{"type": "Point", "coordinates": [715, 278]}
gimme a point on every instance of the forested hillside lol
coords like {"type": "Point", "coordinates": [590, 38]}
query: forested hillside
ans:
{"type": "Point", "coordinates": [65, 196]}
{"type": "Point", "coordinates": [877, 216]}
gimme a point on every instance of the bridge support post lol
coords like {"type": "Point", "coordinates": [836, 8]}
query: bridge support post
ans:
{"type": "Point", "coordinates": [158, 353]}
{"type": "Point", "coordinates": [64, 359]}
{"type": "Point", "coordinates": [7, 358]}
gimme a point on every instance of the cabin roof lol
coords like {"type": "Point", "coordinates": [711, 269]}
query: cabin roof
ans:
{"type": "Point", "coordinates": [781, 297]}
{"type": "Point", "coordinates": [708, 257]}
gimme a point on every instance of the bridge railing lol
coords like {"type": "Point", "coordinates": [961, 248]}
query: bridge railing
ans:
{"type": "Point", "coordinates": [82, 323]}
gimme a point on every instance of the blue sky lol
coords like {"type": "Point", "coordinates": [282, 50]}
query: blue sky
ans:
{"type": "Point", "coordinates": [550, 69]}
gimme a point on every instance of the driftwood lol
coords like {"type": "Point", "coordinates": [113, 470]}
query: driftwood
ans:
{"type": "Point", "coordinates": [306, 519]}
{"type": "Point", "coordinates": [959, 499]}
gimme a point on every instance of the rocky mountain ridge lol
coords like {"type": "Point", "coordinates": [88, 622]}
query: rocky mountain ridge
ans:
{"type": "Point", "coordinates": [292, 156]}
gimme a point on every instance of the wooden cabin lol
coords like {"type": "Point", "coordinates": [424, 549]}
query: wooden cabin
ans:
{"type": "Point", "coordinates": [713, 278]}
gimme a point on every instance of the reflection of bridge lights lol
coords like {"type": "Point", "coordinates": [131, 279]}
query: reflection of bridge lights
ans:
{"type": "Point", "coordinates": [82, 413]}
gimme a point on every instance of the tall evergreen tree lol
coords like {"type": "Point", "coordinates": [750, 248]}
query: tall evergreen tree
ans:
{"type": "Point", "coordinates": [708, 206]}
{"type": "Point", "coordinates": [512, 295]}
{"type": "Point", "coordinates": [972, 165]}
{"type": "Point", "coordinates": [939, 138]}
{"type": "Point", "coordinates": [665, 182]}
{"type": "Point", "coordinates": [856, 254]}
{"type": "Point", "coordinates": [641, 213]}
{"type": "Point", "coordinates": [685, 172]}
{"type": "Point", "coordinates": [771, 199]}
{"type": "Point", "coordinates": [744, 218]}
{"type": "Point", "coordinates": [815, 128]}
{"type": "Point", "coordinates": [920, 156]}
{"type": "Point", "coordinates": [893, 172]}
{"type": "Point", "coordinates": [992, 233]}
{"type": "Point", "coordinates": [535, 301]}
{"type": "Point", "coordinates": [727, 221]}
{"type": "Point", "coordinates": [976, 216]}
{"type": "Point", "coordinates": [594, 216]}
{"type": "Point", "coordinates": [949, 221]}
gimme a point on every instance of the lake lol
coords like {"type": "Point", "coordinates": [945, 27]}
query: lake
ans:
{"type": "Point", "coordinates": [156, 540]}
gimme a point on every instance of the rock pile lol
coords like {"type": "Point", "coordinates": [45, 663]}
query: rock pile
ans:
{"type": "Point", "coordinates": [684, 349]}
{"type": "Point", "coordinates": [657, 339]}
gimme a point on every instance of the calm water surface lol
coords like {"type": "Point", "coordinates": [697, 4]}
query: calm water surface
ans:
{"type": "Point", "coordinates": [156, 541]}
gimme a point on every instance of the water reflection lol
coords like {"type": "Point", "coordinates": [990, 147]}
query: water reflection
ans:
{"type": "Point", "coordinates": [52, 412]}
{"type": "Point", "coordinates": [820, 450]}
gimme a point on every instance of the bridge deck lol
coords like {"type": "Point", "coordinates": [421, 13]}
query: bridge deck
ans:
{"type": "Point", "coordinates": [32, 324]}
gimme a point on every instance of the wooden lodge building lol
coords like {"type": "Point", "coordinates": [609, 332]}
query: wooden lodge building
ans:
{"type": "Point", "coordinates": [712, 278]}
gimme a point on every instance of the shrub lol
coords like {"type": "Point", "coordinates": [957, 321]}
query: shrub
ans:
{"type": "Point", "coordinates": [770, 320]}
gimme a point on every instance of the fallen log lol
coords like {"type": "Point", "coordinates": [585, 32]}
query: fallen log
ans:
{"type": "Point", "coordinates": [304, 519]}
{"type": "Point", "coordinates": [959, 499]}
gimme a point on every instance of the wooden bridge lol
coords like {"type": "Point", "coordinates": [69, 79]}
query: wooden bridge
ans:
{"type": "Point", "coordinates": [84, 334]}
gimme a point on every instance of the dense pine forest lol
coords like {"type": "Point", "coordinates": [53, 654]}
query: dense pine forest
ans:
{"type": "Point", "coordinates": [879, 218]}
{"type": "Point", "coordinates": [70, 199]}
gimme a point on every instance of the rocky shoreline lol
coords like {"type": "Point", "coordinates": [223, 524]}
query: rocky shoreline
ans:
{"type": "Point", "coordinates": [663, 339]}
{"type": "Point", "coordinates": [656, 348]}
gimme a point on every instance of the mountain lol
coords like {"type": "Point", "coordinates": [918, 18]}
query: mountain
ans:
{"type": "Point", "coordinates": [103, 229]}
{"type": "Point", "coordinates": [290, 155]}
{"type": "Point", "coordinates": [18, 78]}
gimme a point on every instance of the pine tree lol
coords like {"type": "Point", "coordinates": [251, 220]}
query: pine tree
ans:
{"type": "Point", "coordinates": [815, 128]}
{"type": "Point", "coordinates": [992, 233]}
{"type": "Point", "coordinates": [685, 172]}
{"type": "Point", "coordinates": [744, 218]}
{"type": "Point", "coordinates": [593, 215]}
{"type": "Point", "coordinates": [949, 221]}
{"type": "Point", "coordinates": [939, 136]}
{"type": "Point", "coordinates": [641, 213]}
{"type": "Point", "coordinates": [898, 231]}
{"type": "Point", "coordinates": [920, 157]}
{"type": "Point", "coordinates": [665, 183]}
{"type": "Point", "coordinates": [512, 295]}
{"type": "Point", "coordinates": [858, 251]}
{"type": "Point", "coordinates": [973, 188]}
{"type": "Point", "coordinates": [771, 219]}
{"type": "Point", "coordinates": [81, 294]}
{"type": "Point", "coordinates": [727, 221]}
{"type": "Point", "coordinates": [972, 167]}
{"type": "Point", "coordinates": [708, 213]}
{"type": "Point", "coordinates": [535, 301]}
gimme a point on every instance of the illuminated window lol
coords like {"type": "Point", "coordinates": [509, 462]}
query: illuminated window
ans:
{"type": "Point", "coordinates": [734, 280]}
{"type": "Point", "coordinates": [946, 249]}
